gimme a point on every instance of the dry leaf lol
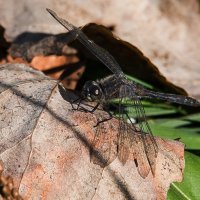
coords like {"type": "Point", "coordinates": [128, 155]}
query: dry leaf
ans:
{"type": "Point", "coordinates": [45, 146]}
{"type": "Point", "coordinates": [48, 53]}
{"type": "Point", "coordinates": [28, 45]}
{"type": "Point", "coordinates": [56, 66]}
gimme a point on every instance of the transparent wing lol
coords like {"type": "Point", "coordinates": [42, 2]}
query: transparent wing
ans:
{"type": "Point", "coordinates": [103, 145]}
{"type": "Point", "coordinates": [103, 55]}
{"type": "Point", "coordinates": [138, 137]}
{"type": "Point", "coordinates": [125, 137]}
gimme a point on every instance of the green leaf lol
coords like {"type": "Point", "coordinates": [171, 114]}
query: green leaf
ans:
{"type": "Point", "coordinates": [152, 109]}
{"type": "Point", "coordinates": [194, 117]}
{"type": "Point", "coordinates": [181, 121]}
{"type": "Point", "coordinates": [155, 111]}
{"type": "Point", "coordinates": [189, 136]}
{"type": "Point", "coordinates": [190, 187]}
{"type": "Point", "coordinates": [173, 123]}
{"type": "Point", "coordinates": [139, 82]}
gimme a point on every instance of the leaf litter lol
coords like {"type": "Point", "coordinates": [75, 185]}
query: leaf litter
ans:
{"type": "Point", "coordinates": [44, 142]}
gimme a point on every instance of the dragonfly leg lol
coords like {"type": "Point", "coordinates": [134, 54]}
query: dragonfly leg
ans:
{"type": "Point", "coordinates": [78, 105]}
{"type": "Point", "coordinates": [97, 105]}
{"type": "Point", "coordinates": [80, 108]}
{"type": "Point", "coordinates": [105, 119]}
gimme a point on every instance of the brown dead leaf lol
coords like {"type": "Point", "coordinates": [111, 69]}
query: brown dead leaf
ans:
{"type": "Point", "coordinates": [44, 63]}
{"type": "Point", "coordinates": [55, 66]}
{"type": "Point", "coordinates": [46, 146]}
{"type": "Point", "coordinates": [47, 53]}
{"type": "Point", "coordinates": [29, 45]}
{"type": "Point", "coordinates": [10, 59]}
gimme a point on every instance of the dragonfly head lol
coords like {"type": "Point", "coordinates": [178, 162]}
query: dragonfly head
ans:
{"type": "Point", "coordinates": [92, 91]}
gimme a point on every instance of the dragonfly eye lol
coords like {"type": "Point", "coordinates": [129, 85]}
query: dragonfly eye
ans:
{"type": "Point", "coordinates": [92, 91]}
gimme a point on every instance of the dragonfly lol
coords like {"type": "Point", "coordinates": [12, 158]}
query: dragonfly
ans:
{"type": "Point", "coordinates": [133, 138]}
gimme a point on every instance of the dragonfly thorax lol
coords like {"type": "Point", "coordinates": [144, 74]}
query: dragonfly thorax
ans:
{"type": "Point", "coordinates": [92, 91]}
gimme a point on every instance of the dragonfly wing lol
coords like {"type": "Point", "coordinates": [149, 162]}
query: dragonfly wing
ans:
{"type": "Point", "coordinates": [130, 146]}
{"type": "Point", "coordinates": [103, 145]}
{"type": "Point", "coordinates": [143, 143]}
{"type": "Point", "coordinates": [149, 142]}
{"type": "Point", "coordinates": [63, 22]}
{"type": "Point", "coordinates": [139, 156]}
{"type": "Point", "coordinates": [103, 55]}
{"type": "Point", "coordinates": [124, 139]}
